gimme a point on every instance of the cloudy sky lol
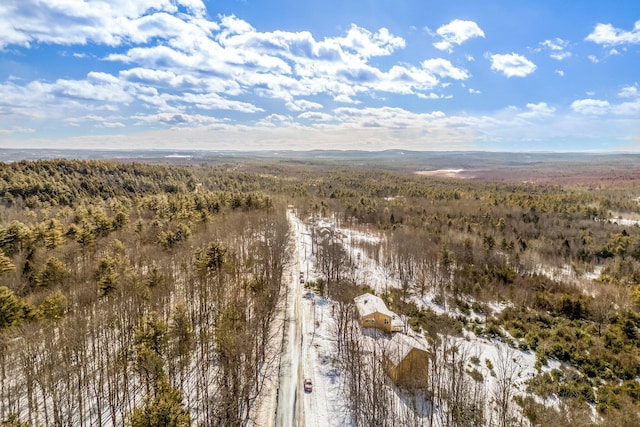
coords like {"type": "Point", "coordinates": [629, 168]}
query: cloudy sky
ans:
{"type": "Point", "coordinates": [348, 74]}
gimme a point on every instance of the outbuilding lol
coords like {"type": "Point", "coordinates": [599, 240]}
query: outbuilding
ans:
{"type": "Point", "coordinates": [406, 361]}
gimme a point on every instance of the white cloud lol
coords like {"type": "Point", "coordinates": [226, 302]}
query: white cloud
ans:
{"type": "Point", "coordinates": [285, 65]}
{"type": "Point", "coordinates": [178, 69]}
{"type": "Point", "coordinates": [368, 44]}
{"type": "Point", "coordinates": [105, 22]}
{"type": "Point", "coordinates": [177, 119]}
{"type": "Point", "coordinates": [556, 44]}
{"type": "Point", "coordinates": [430, 96]}
{"type": "Point", "coordinates": [84, 90]}
{"type": "Point", "coordinates": [536, 111]}
{"type": "Point", "coordinates": [591, 106]}
{"type": "Point", "coordinates": [302, 105]}
{"type": "Point", "coordinates": [457, 32]}
{"type": "Point", "coordinates": [370, 129]}
{"type": "Point", "coordinates": [629, 92]}
{"type": "Point", "coordinates": [315, 116]}
{"type": "Point", "coordinates": [593, 59]}
{"type": "Point", "coordinates": [96, 121]}
{"type": "Point", "coordinates": [385, 117]}
{"type": "Point", "coordinates": [512, 65]}
{"type": "Point", "coordinates": [559, 72]}
{"type": "Point", "coordinates": [213, 101]}
{"type": "Point", "coordinates": [345, 99]}
{"type": "Point", "coordinates": [557, 48]}
{"type": "Point", "coordinates": [275, 120]}
{"type": "Point", "coordinates": [16, 130]}
{"type": "Point", "coordinates": [443, 69]}
{"type": "Point", "coordinates": [62, 98]}
{"type": "Point", "coordinates": [111, 125]}
{"type": "Point", "coordinates": [176, 63]}
{"type": "Point", "coordinates": [608, 35]}
{"type": "Point", "coordinates": [559, 56]}
{"type": "Point", "coordinates": [631, 109]}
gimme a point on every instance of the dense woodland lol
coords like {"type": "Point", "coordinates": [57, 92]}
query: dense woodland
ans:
{"type": "Point", "coordinates": [131, 283]}
{"type": "Point", "coordinates": [132, 292]}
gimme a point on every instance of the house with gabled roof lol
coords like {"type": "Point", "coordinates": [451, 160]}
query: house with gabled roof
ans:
{"type": "Point", "coordinates": [373, 313]}
{"type": "Point", "coordinates": [406, 361]}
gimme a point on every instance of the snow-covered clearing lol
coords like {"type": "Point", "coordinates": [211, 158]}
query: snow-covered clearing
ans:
{"type": "Point", "coordinates": [326, 405]}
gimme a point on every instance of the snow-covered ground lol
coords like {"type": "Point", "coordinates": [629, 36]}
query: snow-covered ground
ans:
{"type": "Point", "coordinates": [326, 405]}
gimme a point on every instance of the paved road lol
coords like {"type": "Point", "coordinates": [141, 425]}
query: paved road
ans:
{"type": "Point", "coordinates": [289, 411]}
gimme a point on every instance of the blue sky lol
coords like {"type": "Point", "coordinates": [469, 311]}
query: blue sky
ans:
{"type": "Point", "coordinates": [494, 75]}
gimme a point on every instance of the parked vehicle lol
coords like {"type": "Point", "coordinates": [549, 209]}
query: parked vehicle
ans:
{"type": "Point", "coordinates": [308, 385]}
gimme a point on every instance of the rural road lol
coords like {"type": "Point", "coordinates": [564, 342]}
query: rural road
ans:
{"type": "Point", "coordinates": [289, 411]}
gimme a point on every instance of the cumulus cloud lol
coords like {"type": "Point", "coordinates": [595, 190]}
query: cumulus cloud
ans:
{"type": "Point", "coordinates": [97, 121]}
{"type": "Point", "coordinates": [178, 69]}
{"type": "Point", "coordinates": [276, 120]}
{"type": "Point", "coordinates": [557, 48]}
{"type": "Point", "coordinates": [608, 35]}
{"type": "Point", "coordinates": [176, 64]}
{"type": "Point", "coordinates": [559, 56]}
{"type": "Point", "coordinates": [105, 22]}
{"type": "Point", "coordinates": [556, 44]}
{"type": "Point", "coordinates": [302, 105]}
{"type": "Point", "coordinates": [512, 65]}
{"type": "Point", "coordinates": [536, 111]}
{"type": "Point", "coordinates": [385, 117]}
{"type": "Point", "coordinates": [433, 96]}
{"type": "Point", "coordinates": [315, 116]}
{"type": "Point", "coordinates": [111, 125]}
{"type": "Point", "coordinates": [45, 100]}
{"type": "Point", "coordinates": [591, 106]}
{"type": "Point", "coordinates": [285, 65]}
{"type": "Point", "coordinates": [443, 68]}
{"type": "Point", "coordinates": [629, 92]}
{"type": "Point", "coordinates": [457, 32]}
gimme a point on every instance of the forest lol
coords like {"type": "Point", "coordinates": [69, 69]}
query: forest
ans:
{"type": "Point", "coordinates": [142, 294]}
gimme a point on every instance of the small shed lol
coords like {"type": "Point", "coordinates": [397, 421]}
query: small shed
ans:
{"type": "Point", "coordinates": [373, 313]}
{"type": "Point", "coordinates": [406, 361]}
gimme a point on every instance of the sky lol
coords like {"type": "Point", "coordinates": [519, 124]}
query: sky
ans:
{"type": "Point", "coordinates": [492, 75]}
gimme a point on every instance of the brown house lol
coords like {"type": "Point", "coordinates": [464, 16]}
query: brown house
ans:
{"type": "Point", "coordinates": [373, 313]}
{"type": "Point", "coordinates": [406, 361]}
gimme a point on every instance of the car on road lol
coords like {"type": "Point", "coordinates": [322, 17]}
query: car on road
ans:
{"type": "Point", "coordinates": [308, 385]}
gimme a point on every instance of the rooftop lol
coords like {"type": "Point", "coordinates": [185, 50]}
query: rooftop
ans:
{"type": "Point", "coordinates": [399, 347]}
{"type": "Point", "coordinates": [368, 304]}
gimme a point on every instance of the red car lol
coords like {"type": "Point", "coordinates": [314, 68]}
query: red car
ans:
{"type": "Point", "coordinates": [308, 385]}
